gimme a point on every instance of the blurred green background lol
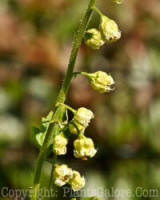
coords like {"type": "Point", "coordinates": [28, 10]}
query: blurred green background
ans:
{"type": "Point", "coordinates": [35, 42]}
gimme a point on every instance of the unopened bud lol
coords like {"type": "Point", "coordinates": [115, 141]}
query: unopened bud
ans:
{"type": "Point", "coordinates": [93, 38]}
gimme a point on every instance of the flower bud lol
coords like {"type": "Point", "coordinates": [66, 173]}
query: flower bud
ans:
{"type": "Point", "coordinates": [84, 147]}
{"type": "Point", "coordinates": [83, 116]}
{"type": "Point", "coordinates": [93, 38]}
{"type": "Point", "coordinates": [62, 174]}
{"type": "Point", "coordinates": [109, 29]}
{"type": "Point", "coordinates": [59, 144]}
{"type": "Point", "coordinates": [77, 182]}
{"type": "Point", "coordinates": [100, 81]}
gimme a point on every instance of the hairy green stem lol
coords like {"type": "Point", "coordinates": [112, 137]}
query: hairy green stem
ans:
{"type": "Point", "coordinates": [60, 110]}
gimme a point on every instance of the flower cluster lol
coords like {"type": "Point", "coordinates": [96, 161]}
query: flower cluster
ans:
{"type": "Point", "coordinates": [108, 32]}
{"type": "Point", "coordinates": [83, 148]}
{"type": "Point", "coordinates": [63, 175]}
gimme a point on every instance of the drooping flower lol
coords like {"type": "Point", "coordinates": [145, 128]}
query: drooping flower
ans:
{"type": "Point", "coordinates": [109, 29]}
{"type": "Point", "coordinates": [59, 144]}
{"type": "Point", "coordinates": [62, 174]}
{"type": "Point", "coordinates": [93, 38]}
{"type": "Point", "coordinates": [83, 116]}
{"type": "Point", "coordinates": [77, 181]}
{"type": "Point", "coordinates": [100, 81]}
{"type": "Point", "coordinates": [84, 147]}
{"type": "Point", "coordinates": [81, 120]}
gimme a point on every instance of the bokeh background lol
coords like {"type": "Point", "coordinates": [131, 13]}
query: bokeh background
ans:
{"type": "Point", "coordinates": [35, 42]}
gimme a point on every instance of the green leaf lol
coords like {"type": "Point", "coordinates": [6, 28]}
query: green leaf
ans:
{"type": "Point", "coordinates": [40, 133]}
{"type": "Point", "coordinates": [46, 121]}
{"type": "Point", "coordinates": [40, 138]}
{"type": "Point", "coordinates": [35, 130]}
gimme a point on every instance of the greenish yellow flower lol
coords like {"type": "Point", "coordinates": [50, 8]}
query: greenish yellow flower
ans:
{"type": "Point", "coordinates": [77, 182]}
{"type": "Point", "coordinates": [100, 81]}
{"type": "Point", "coordinates": [59, 144]}
{"type": "Point", "coordinates": [83, 116]}
{"type": "Point", "coordinates": [109, 29]}
{"type": "Point", "coordinates": [93, 38]}
{"type": "Point", "coordinates": [62, 174]}
{"type": "Point", "coordinates": [84, 147]}
{"type": "Point", "coordinates": [81, 120]}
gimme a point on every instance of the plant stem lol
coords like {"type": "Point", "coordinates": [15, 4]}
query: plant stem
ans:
{"type": "Point", "coordinates": [60, 110]}
{"type": "Point", "coordinates": [68, 107]}
{"type": "Point", "coordinates": [76, 45]}
{"type": "Point", "coordinates": [52, 170]}
{"type": "Point", "coordinates": [97, 10]}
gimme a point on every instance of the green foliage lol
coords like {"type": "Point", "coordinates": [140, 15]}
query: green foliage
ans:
{"type": "Point", "coordinates": [40, 133]}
